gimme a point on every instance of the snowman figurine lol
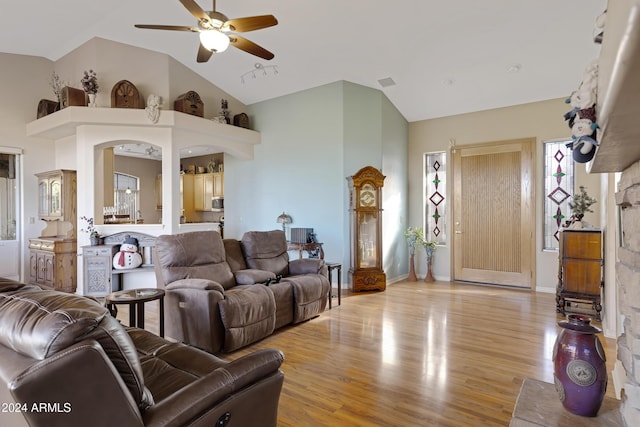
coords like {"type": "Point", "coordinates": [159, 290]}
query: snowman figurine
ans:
{"type": "Point", "coordinates": [128, 257]}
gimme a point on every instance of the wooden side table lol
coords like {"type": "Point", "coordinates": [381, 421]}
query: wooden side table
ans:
{"type": "Point", "coordinates": [136, 299]}
{"type": "Point", "coordinates": [330, 267]}
{"type": "Point", "coordinates": [580, 269]}
{"type": "Point", "coordinates": [291, 246]}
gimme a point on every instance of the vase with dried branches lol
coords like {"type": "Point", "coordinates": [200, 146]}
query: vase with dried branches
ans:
{"type": "Point", "coordinates": [429, 248]}
{"type": "Point", "coordinates": [414, 237]}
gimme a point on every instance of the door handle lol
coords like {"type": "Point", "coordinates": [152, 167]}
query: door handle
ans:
{"type": "Point", "coordinates": [458, 232]}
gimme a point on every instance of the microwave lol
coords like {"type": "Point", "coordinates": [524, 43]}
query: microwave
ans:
{"type": "Point", "coordinates": [217, 204]}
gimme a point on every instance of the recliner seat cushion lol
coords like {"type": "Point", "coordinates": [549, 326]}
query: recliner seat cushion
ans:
{"type": "Point", "coordinates": [283, 295]}
{"type": "Point", "coordinates": [310, 295]}
{"type": "Point", "coordinates": [248, 315]}
{"type": "Point", "coordinates": [170, 366]}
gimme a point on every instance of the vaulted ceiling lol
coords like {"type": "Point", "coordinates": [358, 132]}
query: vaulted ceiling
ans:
{"type": "Point", "coordinates": [445, 57]}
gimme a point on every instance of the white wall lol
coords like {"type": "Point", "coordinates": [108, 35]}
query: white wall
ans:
{"type": "Point", "coordinates": [296, 169]}
{"type": "Point", "coordinates": [25, 80]}
{"type": "Point", "coordinates": [395, 149]}
{"type": "Point", "coordinates": [311, 142]}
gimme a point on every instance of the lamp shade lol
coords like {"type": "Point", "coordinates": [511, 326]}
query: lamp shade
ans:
{"type": "Point", "coordinates": [283, 218]}
{"type": "Point", "coordinates": [214, 40]}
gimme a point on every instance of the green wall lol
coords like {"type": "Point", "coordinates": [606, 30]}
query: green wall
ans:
{"type": "Point", "coordinates": [311, 142]}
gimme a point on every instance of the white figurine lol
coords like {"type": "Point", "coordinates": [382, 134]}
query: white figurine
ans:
{"type": "Point", "coordinates": [128, 257]}
{"type": "Point", "coordinates": [153, 108]}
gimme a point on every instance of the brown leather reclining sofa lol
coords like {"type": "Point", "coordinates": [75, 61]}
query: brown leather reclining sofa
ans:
{"type": "Point", "coordinates": [64, 361]}
{"type": "Point", "coordinates": [223, 295]}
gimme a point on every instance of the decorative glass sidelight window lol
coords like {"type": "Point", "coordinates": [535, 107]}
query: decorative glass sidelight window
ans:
{"type": "Point", "coordinates": [435, 202]}
{"type": "Point", "coordinates": [558, 189]}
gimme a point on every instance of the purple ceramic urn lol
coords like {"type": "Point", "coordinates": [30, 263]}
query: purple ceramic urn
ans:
{"type": "Point", "coordinates": [580, 371]}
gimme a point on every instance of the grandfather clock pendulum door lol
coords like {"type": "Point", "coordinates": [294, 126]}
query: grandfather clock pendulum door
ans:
{"type": "Point", "coordinates": [365, 188]}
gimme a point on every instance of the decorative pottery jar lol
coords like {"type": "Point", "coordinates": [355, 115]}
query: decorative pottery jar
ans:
{"type": "Point", "coordinates": [580, 372]}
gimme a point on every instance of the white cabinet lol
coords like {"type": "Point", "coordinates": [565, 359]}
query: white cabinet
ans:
{"type": "Point", "coordinates": [97, 266]}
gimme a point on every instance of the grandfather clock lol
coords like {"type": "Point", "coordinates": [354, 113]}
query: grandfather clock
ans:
{"type": "Point", "coordinates": [365, 188]}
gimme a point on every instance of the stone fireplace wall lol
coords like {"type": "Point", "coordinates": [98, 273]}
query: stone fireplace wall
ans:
{"type": "Point", "coordinates": [628, 282]}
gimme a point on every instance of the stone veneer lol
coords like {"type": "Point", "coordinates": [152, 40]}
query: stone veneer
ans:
{"type": "Point", "coordinates": [628, 282]}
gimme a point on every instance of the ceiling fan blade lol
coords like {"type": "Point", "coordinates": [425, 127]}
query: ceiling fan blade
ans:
{"type": "Point", "coordinates": [167, 27]}
{"type": "Point", "coordinates": [195, 10]}
{"type": "Point", "coordinates": [250, 47]}
{"type": "Point", "coordinates": [203, 53]}
{"type": "Point", "coordinates": [251, 23]}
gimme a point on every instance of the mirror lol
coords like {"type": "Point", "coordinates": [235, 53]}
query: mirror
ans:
{"type": "Point", "coordinates": [128, 182]}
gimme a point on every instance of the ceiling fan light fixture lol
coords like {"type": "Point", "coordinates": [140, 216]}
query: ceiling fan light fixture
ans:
{"type": "Point", "coordinates": [214, 40]}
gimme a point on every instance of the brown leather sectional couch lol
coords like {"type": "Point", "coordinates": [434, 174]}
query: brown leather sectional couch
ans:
{"type": "Point", "coordinates": [223, 295]}
{"type": "Point", "coordinates": [64, 361]}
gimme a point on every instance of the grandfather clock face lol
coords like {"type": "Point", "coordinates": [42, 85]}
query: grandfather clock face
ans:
{"type": "Point", "coordinates": [367, 196]}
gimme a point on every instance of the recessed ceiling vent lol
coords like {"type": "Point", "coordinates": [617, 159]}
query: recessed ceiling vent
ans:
{"type": "Point", "coordinates": [386, 82]}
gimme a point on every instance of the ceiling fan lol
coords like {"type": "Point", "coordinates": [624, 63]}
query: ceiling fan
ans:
{"type": "Point", "coordinates": [217, 31]}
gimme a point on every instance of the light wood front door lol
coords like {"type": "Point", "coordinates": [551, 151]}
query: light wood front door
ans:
{"type": "Point", "coordinates": [494, 214]}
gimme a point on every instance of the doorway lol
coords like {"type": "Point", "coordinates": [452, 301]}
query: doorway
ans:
{"type": "Point", "coordinates": [494, 213]}
{"type": "Point", "coordinates": [10, 253]}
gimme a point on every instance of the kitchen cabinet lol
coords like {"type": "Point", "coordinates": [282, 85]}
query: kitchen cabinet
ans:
{"type": "Point", "coordinates": [218, 184]}
{"type": "Point", "coordinates": [205, 187]}
{"type": "Point", "coordinates": [187, 197]}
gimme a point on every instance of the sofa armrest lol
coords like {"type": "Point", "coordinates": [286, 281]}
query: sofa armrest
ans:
{"type": "Point", "coordinates": [306, 266]}
{"type": "Point", "coordinates": [199, 284]}
{"type": "Point", "coordinates": [250, 276]}
{"type": "Point", "coordinates": [192, 315]}
{"type": "Point", "coordinates": [204, 394]}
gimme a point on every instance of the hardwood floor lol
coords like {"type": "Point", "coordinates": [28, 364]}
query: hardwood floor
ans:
{"type": "Point", "coordinates": [418, 354]}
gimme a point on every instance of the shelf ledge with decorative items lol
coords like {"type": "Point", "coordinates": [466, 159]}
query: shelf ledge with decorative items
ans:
{"type": "Point", "coordinates": [618, 84]}
{"type": "Point", "coordinates": [119, 113]}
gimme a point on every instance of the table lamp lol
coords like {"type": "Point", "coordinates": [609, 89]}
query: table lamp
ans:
{"type": "Point", "coordinates": [284, 219]}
